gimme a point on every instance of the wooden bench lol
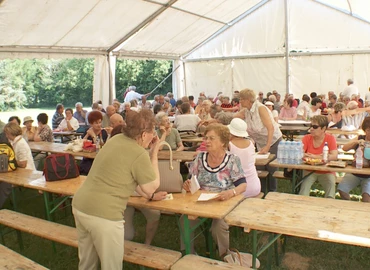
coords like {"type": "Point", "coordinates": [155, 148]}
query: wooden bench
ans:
{"type": "Point", "coordinates": [191, 262]}
{"type": "Point", "coordinates": [280, 175]}
{"type": "Point", "coordinates": [12, 260]}
{"type": "Point", "coordinates": [136, 253]}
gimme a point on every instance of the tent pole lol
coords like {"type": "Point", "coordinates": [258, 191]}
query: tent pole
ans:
{"type": "Point", "coordinates": [287, 65]}
{"type": "Point", "coordinates": [158, 85]}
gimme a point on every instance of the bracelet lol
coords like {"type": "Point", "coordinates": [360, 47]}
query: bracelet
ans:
{"type": "Point", "coordinates": [151, 198]}
{"type": "Point", "coordinates": [234, 192]}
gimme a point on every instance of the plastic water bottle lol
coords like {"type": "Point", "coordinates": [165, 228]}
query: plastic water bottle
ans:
{"type": "Point", "coordinates": [300, 150]}
{"type": "Point", "coordinates": [359, 158]}
{"type": "Point", "coordinates": [281, 151]}
{"type": "Point", "coordinates": [325, 152]}
{"type": "Point", "coordinates": [297, 153]}
{"type": "Point", "coordinates": [97, 144]}
{"type": "Point", "coordinates": [290, 152]}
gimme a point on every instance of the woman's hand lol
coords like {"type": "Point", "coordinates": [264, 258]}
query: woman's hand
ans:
{"type": "Point", "coordinates": [264, 150]}
{"type": "Point", "coordinates": [91, 133]}
{"type": "Point", "coordinates": [225, 195]}
{"type": "Point", "coordinates": [186, 186]}
{"type": "Point", "coordinates": [154, 145]}
{"type": "Point", "coordinates": [159, 196]}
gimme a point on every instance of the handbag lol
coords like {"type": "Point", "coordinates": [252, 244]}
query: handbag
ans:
{"type": "Point", "coordinates": [169, 171]}
{"type": "Point", "coordinates": [60, 167]}
{"type": "Point", "coordinates": [239, 258]}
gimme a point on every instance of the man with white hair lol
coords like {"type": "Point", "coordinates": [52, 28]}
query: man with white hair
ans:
{"type": "Point", "coordinates": [80, 114]}
{"type": "Point", "coordinates": [132, 94]}
{"type": "Point", "coordinates": [350, 90]}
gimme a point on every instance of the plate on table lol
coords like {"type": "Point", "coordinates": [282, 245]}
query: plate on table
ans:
{"type": "Point", "coordinates": [313, 161]}
{"type": "Point", "coordinates": [339, 164]}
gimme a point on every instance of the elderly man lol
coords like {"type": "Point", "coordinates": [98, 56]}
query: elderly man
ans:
{"type": "Point", "coordinates": [80, 114]}
{"type": "Point", "coordinates": [116, 124]}
{"type": "Point", "coordinates": [58, 116]}
{"type": "Point", "coordinates": [350, 90]}
{"type": "Point", "coordinates": [110, 110]}
{"type": "Point", "coordinates": [132, 94]}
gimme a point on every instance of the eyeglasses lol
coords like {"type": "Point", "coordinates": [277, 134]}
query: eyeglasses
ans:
{"type": "Point", "coordinates": [314, 126]}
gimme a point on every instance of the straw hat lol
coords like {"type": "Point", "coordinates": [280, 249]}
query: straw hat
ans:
{"type": "Point", "coordinates": [26, 119]}
{"type": "Point", "coordinates": [238, 128]}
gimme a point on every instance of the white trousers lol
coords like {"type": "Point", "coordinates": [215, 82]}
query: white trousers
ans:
{"type": "Point", "coordinates": [100, 242]}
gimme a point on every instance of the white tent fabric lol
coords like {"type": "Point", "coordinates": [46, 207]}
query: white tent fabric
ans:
{"type": "Point", "coordinates": [297, 46]}
{"type": "Point", "coordinates": [326, 47]}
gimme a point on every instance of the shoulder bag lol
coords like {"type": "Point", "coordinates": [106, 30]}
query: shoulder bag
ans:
{"type": "Point", "coordinates": [60, 167]}
{"type": "Point", "coordinates": [169, 171]}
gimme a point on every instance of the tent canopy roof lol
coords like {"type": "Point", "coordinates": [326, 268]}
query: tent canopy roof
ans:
{"type": "Point", "coordinates": [149, 28]}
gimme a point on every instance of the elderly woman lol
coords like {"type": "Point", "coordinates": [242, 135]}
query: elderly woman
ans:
{"type": "Point", "coordinates": [288, 112]}
{"type": "Point", "coordinates": [218, 171]}
{"type": "Point", "coordinates": [167, 133]}
{"type": "Point", "coordinates": [350, 181]}
{"type": "Point", "coordinates": [315, 107]}
{"type": "Point", "coordinates": [198, 108]}
{"type": "Point", "coordinates": [270, 106]}
{"type": "Point", "coordinates": [69, 123]}
{"type": "Point", "coordinates": [28, 130]}
{"type": "Point", "coordinates": [303, 109]}
{"type": "Point", "coordinates": [241, 146]}
{"type": "Point", "coordinates": [44, 132]}
{"type": "Point", "coordinates": [261, 128]}
{"type": "Point", "coordinates": [22, 152]}
{"type": "Point", "coordinates": [313, 148]}
{"type": "Point", "coordinates": [99, 204]}
{"type": "Point", "coordinates": [95, 134]}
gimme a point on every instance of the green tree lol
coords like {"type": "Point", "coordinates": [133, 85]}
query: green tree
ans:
{"type": "Point", "coordinates": [145, 74]}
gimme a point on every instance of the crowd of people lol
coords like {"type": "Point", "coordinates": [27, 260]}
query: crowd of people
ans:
{"type": "Point", "coordinates": [234, 128]}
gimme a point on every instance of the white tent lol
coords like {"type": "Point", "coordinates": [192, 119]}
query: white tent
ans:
{"type": "Point", "coordinates": [297, 46]}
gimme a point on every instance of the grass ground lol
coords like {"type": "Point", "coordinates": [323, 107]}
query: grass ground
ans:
{"type": "Point", "coordinates": [301, 253]}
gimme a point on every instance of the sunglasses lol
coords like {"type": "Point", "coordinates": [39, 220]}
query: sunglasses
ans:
{"type": "Point", "coordinates": [314, 126]}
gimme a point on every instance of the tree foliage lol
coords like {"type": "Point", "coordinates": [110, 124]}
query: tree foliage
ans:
{"type": "Point", "coordinates": [38, 83]}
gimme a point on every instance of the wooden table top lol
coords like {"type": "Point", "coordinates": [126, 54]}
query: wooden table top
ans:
{"type": "Point", "coordinates": [177, 155]}
{"type": "Point", "coordinates": [294, 128]}
{"type": "Point", "coordinates": [335, 131]}
{"type": "Point", "coordinates": [187, 204]}
{"type": "Point", "coordinates": [192, 139]}
{"type": "Point", "coordinates": [12, 260]}
{"type": "Point", "coordinates": [326, 221]}
{"type": "Point", "coordinates": [55, 148]}
{"type": "Point", "coordinates": [34, 180]}
{"type": "Point", "coordinates": [347, 169]}
{"type": "Point", "coordinates": [294, 198]}
{"type": "Point", "coordinates": [294, 122]}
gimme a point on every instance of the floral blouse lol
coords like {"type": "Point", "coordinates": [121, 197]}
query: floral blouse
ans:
{"type": "Point", "coordinates": [219, 178]}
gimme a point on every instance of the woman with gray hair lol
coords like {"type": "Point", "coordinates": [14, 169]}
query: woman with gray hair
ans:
{"type": "Point", "coordinates": [167, 133]}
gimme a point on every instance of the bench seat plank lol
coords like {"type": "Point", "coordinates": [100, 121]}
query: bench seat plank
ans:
{"type": "Point", "coordinates": [12, 260]}
{"type": "Point", "coordinates": [191, 262]}
{"type": "Point", "coordinates": [136, 253]}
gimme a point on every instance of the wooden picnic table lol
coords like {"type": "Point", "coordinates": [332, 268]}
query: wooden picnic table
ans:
{"type": "Point", "coordinates": [290, 130]}
{"type": "Point", "coordinates": [55, 148]}
{"type": "Point", "coordinates": [295, 215]}
{"type": "Point", "coordinates": [294, 122]}
{"type": "Point", "coordinates": [35, 180]}
{"type": "Point", "coordinates": [186, 204]}
{"type": "Point", "coordinates": [298, 168]}
{"type": "Point", "coordinates": [66, 134]}
{"type": "Point", "coordinates": [336, 131]}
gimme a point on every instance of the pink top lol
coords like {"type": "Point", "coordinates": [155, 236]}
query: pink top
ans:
{"type": "Point", "coordinates": [288, 113]}
{"type": "Point", "coordinates": [247, 159]}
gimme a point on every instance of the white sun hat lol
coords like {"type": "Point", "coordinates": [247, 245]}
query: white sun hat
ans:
{"type": "Point", "coordinates": [238, 128]}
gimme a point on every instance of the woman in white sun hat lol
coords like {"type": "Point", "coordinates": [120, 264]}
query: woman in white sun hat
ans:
{"type": "Point", "coordinates": [241, 146]}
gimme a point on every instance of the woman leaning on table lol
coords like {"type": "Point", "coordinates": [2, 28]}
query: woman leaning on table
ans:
{"type": "Point", "coordinates": [261, 128]}
{"type": "Point", "coordinates": [218, 171]}
{"type": "Point", "coordinates": [313, 147]}
{"type": "Point", "coordinates": [350, 181]}
{"type": "Point", "coordinates": [99, 204]}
